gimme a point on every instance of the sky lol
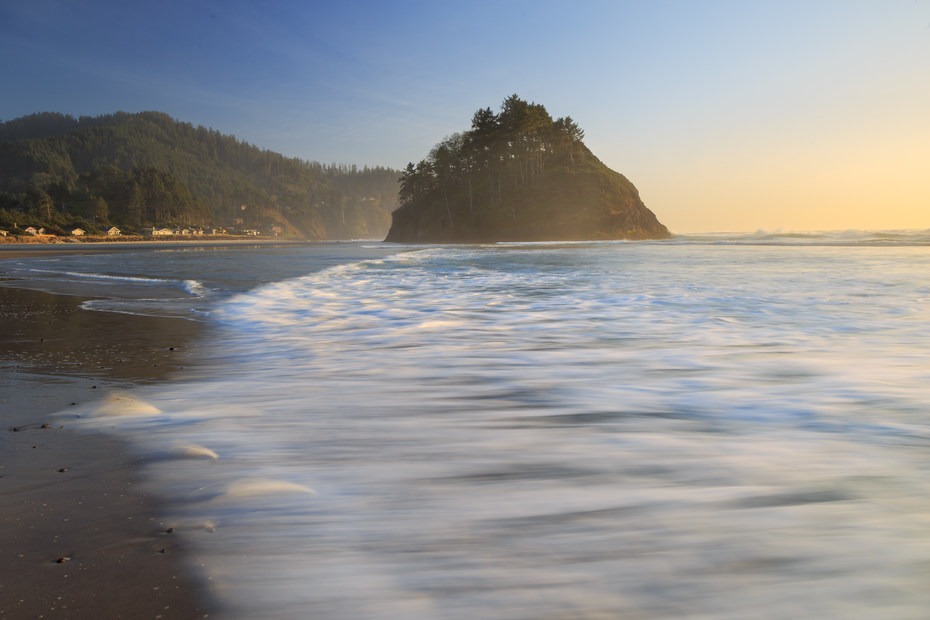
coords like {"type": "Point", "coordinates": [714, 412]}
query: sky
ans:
{"type": "Point", "coordinates": [774, 115]}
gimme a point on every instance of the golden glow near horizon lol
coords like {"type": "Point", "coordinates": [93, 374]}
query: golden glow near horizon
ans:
{"type": "Point", "coordinates": [816, 123]}
{"type": "Point", "coordinates": [851, 175]}
{"type": "Point", "coordinates": [817, 190]}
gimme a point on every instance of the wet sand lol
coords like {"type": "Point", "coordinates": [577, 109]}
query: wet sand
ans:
{"type": "Point", "coordinates": [80, 538]}
{"type": "Point", "coordinates": [32, 247]}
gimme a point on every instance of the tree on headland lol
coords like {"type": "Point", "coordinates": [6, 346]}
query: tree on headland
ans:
{"type": "Point", "coordinates": [570, 134]}
{"type": "Point", "coordinates": [508, 149]}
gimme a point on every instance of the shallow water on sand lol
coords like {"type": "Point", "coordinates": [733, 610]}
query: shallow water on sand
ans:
{"type": "Point", "coordinates": [705, 428]}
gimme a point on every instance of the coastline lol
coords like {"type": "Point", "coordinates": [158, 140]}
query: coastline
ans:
{"type": "Point", "coordinates": [80, 537]}
{"type": "Point", "coordinates": [28, 247]}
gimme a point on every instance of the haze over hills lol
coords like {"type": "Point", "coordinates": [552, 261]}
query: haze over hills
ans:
{"type": "Point", "coordinates": [518, 175]}
{"type": "Point", "coordinates": [515, 175]}
{"type": "Point", "coordinates": [147, 169]}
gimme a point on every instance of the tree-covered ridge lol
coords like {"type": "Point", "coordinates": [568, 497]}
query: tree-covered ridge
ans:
{"type": "Point", "coordinates": [517, 174]}
{"type": "Point", "coordinates": [146, 169]}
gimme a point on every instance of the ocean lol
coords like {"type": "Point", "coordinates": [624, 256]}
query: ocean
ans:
{"type": "Point", "coordinates": [713, 426]}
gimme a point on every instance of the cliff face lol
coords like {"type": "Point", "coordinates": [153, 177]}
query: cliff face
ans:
{"type": "Point", "coordinates": [518, 176]}
{"type": "Point", "coordinates": [589, 202]}
{"type": "Point", "coordinates": [566, 205]}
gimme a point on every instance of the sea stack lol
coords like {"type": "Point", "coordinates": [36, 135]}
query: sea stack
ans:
{"type": "Point", "coordinates": [518, 175]}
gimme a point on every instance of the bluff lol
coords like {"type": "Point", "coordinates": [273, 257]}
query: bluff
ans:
{"type": "Point", "coordinates": [518, 175]}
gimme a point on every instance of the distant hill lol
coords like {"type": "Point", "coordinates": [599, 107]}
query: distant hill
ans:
{"type": "Point", "coordinates": [147, 169]}
{"type": "Point", "coordinates": [518, 175]}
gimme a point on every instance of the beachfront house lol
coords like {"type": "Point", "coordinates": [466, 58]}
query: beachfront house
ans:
{"type": "Point", "coordinates": [31, 230]}
{"type": "Point", "coordinates": [162, 232]}
{"type": "Point", "coordinates": [113, 232]}
{"type": "Point", "coordinates": [4, 233]}
{"type": "Point", "coordinates": [78, 232]}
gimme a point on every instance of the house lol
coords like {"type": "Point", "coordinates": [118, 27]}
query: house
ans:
{"type": "Point", "coordinates": [78, 232]}
{"type": "Point", "coordinates": [162, 232]}
{"type": "Point", "coordinates": [113, 232]}
{"type": "Point", "coordinates": [4, 233]}
{"type": "Point", "coordinates": [32, 231]}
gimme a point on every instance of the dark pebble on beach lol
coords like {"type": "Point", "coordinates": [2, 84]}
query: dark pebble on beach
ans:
{"type": "Point", "coordinates": [62, 470]}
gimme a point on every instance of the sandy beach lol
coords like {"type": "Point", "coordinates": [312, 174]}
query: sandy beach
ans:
{"type": "Point", "coordinates": [80, 540]}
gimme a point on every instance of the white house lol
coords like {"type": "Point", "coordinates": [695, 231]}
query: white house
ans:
{"type": "Point", "coordinates": [113, 232]}
{"type": "Point", "coordinates": [78, 232]}
{"type": "Point", "coordinates": [4, 233]}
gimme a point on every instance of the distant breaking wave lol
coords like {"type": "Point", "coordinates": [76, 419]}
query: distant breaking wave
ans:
{"type": "Point", "coordinates": [192, 287]}
{"type": "Point", "coordinates": [830, 238]}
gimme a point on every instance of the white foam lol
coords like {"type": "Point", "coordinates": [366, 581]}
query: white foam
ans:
{"type": "Point", "coordinates": [195, 288]}
{"type": "Point", "coordinates": [579, 431]}
{"type": "Point", "coordinates": [440, 324]}
{"type": "Point", "coordinates": [123, 405]}
{"type": "Point", "coordinates": [195, 451]}
{"type": "Point", "coordinates": [103, 276]}
{"type": "Point", "coordinates": [257, 487]}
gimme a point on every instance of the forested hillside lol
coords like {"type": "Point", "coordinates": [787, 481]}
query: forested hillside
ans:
{"type": "Point", "coordinates": [145, 170]}
{"type": "Point", "coordinates": [518, 174]}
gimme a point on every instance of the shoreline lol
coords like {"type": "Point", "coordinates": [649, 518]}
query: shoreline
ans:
{"type": "Point", "coordinates": [81, 539]}
{"type": "Point", "coordinates": [119, 239]}
{"type": "Point", "coordinates": [18, 249]}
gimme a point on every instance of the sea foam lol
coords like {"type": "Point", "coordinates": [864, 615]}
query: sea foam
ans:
{"type": "Point", "coordinates": [656, 430]}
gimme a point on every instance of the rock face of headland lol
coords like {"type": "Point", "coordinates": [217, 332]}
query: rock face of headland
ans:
{"type": "Point", "coordinates": [518, 176]}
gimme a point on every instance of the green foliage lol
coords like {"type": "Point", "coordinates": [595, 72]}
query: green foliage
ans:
{"type": "Point", "coordinates": [509, 150]}
{"type": "Point", "coordinates": [475, 177]}
{"type": "Point", "coordinates": [517, 174]}
{"type": "Point", "coordinates": [135, 170]}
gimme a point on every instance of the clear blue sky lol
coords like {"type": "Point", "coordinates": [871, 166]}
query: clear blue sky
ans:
{"type": "Point", "coordinates": [727, 115]}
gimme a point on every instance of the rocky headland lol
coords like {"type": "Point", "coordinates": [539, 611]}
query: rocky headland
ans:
{"type": "Point", "coordinates": [518, 175]}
